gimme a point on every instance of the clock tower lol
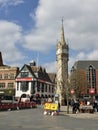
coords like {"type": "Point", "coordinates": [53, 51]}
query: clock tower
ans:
{"type": "Point", "coordinates": [62, 55]}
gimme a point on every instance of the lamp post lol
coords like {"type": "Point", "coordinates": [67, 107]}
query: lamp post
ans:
{"type": "Point", "coordinates": [67, 95]}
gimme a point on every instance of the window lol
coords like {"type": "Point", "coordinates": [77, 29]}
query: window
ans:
{"type": "Point", "coordinates": [24, 74]}
{"type": "Point", "coordinates": [11, 76]}
{"type": "Point", "coordinates": [5, 76]}
{"type": "Point", "coordinates": [24, 86]}
{"type": "Point", "coordinates": [45, 87]}
{"type": "Point", "coordinates": [91, 77]}
{"type": "Point", "coordinates": [33, 87]}
{"type": "Point", "coordinates": [17, 85]}
{"type": "Point", "coordinates": [38, 86]}
{"type": "Point", "coordinates": [42, 87]}
{"type": "Point", "coordinates": [52, 89]}
{"type": "Point", "coordinates": [0, 76]}
{"type": "Point", "coordinates": [10, 85]}
{"type": "Point", "coordinates": [2, 85]}
{"type": "Point", "coordinates": [49, 89]}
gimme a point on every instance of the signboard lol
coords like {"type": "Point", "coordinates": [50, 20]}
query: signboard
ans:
{"type": "Point", "coordinates": [91, 90]}
{"type": "Point", "coordinates": [51, 106]}
{"type": "Point", "coordinates": [24, 79]}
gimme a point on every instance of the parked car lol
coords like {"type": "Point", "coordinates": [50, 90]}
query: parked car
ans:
{"type": "Point", "coordinates": [25, 98]}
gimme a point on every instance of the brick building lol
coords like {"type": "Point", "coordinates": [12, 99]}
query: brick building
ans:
{"type": "Point", "coordinates": [7, 77]}
{"type": "Point", "coordinates": [84, 77]}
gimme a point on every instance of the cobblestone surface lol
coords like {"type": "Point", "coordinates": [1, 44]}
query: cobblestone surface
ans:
{"type": "Point", "coordinates": [78, 115]}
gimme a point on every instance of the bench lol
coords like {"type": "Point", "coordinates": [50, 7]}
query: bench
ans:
{"type": "Point", "coordinates": [86, 109]}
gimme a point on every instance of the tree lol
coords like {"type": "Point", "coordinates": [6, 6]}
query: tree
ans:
{"type": "Point", "coordinates": [78, 81]}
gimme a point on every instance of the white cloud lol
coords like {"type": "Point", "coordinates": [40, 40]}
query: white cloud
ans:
{"type": "Point", "coordinates": [4, 3]}
{"type": "Point", "coordinates": [50, 67]}
{"type": "Point", "coordinates": [80, 23]}
{"type": "Point", "coordinates": [93, 55]}
{"type": "Point", "coordinates": [10, 36]}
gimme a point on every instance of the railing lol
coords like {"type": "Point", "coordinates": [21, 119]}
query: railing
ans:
{"type": "Point", "coordinates": [17, 106]}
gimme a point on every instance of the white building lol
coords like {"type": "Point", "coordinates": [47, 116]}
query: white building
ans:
{"type": "Point", "coordinates": [35, 81]}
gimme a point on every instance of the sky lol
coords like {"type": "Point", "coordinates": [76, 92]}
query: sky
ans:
{"type": "Point", "coordinates": [30, 30]}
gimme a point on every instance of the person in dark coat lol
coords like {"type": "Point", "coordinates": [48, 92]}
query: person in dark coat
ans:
{"type": "Point", "coordinates": [95, 106]}
{"type": "Point", "coordinates": [76, 106]}
{"type": "Point", "coordinates": [59, 106]}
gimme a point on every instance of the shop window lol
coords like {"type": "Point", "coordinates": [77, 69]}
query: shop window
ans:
{"type": "Point", "coordinates": [17, 85]}
{"type": "Point", "coordinates": [38, 86]}
{"type": "Point", "coordinates": [24, 86]}
{"type": "Point", "coordinates": [52, 89]}
{"type": "Point", "coordinates": [42, 87]}
{"type": "Point", "coordinates": [49, 89]}
{"type": "Point", "coordinates": [45, 87]}
{"type": "Point", "coordinates": [33, 87]}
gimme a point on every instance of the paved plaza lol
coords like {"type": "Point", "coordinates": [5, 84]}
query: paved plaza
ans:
{"type": "Point", "coordinates": [79, 115]}
{"type": "Point", "coordinates": [34, 119]}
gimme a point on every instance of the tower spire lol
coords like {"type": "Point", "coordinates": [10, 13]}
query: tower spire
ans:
{"type": "Point", "coordinates": [62, 37]}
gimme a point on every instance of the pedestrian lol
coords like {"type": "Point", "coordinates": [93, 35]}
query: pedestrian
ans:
{"type": "Point", "coordinates": [76, 106]}
{"type": "Point", "coordinates": [59, 106]}
{"type": "Point", "coordinates": [95, 106]}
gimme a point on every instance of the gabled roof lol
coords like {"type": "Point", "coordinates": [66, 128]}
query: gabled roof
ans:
{"type": "Point", "coordinates": [29, 68]}
{"type": "Point", "coordinates": [41, 73]}
{"type": "Point", "coordinates": [85, 64]}
{"type": "Point", "coordinates": [44, 76]}
{"type": "Point", "coordinates": [52, 76]}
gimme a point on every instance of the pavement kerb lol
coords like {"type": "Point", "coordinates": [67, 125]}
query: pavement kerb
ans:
{"type": "Point", "coordinates": [78, 115]}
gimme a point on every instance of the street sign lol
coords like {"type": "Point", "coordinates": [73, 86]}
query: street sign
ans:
{"type": "Point", "coordinates": [91, 90]}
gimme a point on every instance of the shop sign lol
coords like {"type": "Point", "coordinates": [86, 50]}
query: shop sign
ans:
{"type": "Point", "coordinates": [24, 79]}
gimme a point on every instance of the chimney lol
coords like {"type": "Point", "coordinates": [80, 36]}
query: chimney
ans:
{"type": "Point", "coordinates": [1, 61]}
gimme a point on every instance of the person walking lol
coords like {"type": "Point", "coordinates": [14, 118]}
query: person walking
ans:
{"type": "Point", "coordinates": [76, 106]}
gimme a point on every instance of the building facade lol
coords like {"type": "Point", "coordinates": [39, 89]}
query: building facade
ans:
{"type": "Point", "coordinates": [62, 66]}
{"type": "Point", "coordinates": [7, 77]}
{"type": "Point", "coordinates": [84, 77]}
{"type": "Point", "coordinates": [34, 81]}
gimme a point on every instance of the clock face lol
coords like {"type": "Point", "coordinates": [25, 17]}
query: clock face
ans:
{"type": "Point", "coordinates": [59, 51]}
